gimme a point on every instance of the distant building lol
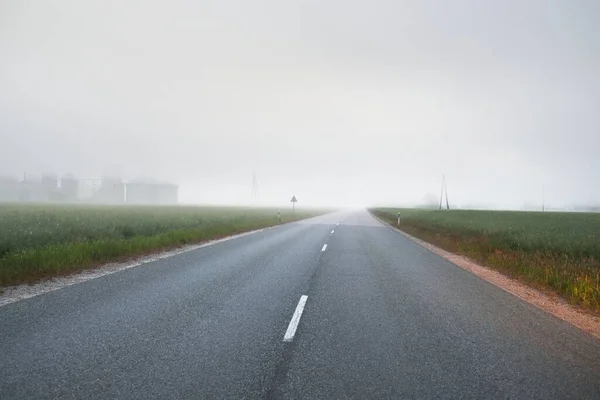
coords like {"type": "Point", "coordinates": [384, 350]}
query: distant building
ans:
{"type": "Point", "coordinates": [9, 189]}
{"type": "Point", "coordinates": [112, 191]}
{"type": "Point", "coordinates": [31, 190]}
{"type": "Point", "coordinates": [152, 193]}
{"type": "Point", "coordinates": [49, 187]}
{"type": "Point", "coordinates": [50, 182]}
{"type": "Point", "coordinates": [69, 188]}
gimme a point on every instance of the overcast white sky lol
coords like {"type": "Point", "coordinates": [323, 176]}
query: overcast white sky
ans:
{"type": "Point", "coordinates": [338, 102]}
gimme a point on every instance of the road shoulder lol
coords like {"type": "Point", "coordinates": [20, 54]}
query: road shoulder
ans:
{"type": "Point", "coordinates": [12, 294]}
{"type": "Point", "coordinates": [551, 304]}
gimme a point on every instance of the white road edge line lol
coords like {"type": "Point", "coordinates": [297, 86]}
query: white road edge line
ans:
{"type": "Point", "coordinates": [291, 330]}
{"type": "Point", "coordinates": [324, 247]}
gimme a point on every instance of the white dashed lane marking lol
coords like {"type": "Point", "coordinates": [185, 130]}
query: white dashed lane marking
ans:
{"type": "Point", "coordinates": [291, 330]}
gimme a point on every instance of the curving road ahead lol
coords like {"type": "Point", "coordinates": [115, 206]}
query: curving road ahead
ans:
{"type": "Point", "coordinates": [382, 318]}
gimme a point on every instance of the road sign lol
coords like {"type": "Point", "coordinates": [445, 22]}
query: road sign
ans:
{"type": "Point", "coordinates": [294, 201]}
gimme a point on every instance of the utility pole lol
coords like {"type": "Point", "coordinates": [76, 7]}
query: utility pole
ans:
{"type": "Point", "coordinates": [444, 190]}
{"type": "Point", "coordinates": [543, 198]}
{"type": "Point", "coordinates": [447, 204]}
{"type": "Point", "coordinates": [254, 188]}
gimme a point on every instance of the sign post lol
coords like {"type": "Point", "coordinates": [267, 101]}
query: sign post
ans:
{"type": "Point", "coordinates": [294, 201]}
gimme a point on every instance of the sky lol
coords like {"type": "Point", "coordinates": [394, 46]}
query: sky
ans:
{"type": "Point", "coordinates": [341, 103]}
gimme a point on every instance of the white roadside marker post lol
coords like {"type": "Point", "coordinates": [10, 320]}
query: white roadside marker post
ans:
{"type": "Point", "coordinates": [398, 219]}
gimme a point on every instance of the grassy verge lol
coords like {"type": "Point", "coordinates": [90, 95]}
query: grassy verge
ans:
{"type": "Point", "coordinates": [558, 252]}
{"type": "Point", "coordinates": [42, 241]}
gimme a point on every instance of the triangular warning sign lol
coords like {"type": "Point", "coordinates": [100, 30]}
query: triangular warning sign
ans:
{"type": "Point", "coordinates": [294, 199]}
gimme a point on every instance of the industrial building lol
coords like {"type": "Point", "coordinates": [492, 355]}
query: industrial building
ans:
{"type": "Point", "coordinates": [30, 189]}
{"type": "Point", "coordinates": [9, 189]}
{"type": "Point", "coordinates": [110, 191]}
{"type": "Point", "coordinates": [69, 188]}
{"type": "Point", "coordinates": [151, 193]}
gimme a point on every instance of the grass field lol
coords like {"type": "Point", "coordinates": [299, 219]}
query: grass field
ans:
{"type": "Point", "coordinates": [41, 241]}
{"type": "Point", "coordinates": [553, 251]}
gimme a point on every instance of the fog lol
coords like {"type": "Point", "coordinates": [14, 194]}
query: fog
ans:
{"type": "Point", "coordinates": [342, 103]}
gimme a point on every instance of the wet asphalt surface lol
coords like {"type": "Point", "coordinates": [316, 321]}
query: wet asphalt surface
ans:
{"type": "Point", "coordinates": [384, 318]}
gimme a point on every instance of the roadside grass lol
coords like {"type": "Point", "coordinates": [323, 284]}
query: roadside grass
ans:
{"type": "Point", "coordinates": [42, 241]}
{"type": "Point", "coordinates": [559, 252]}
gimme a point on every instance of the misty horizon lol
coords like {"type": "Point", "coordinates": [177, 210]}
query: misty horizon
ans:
{"type": "Point", "coordinates": [341, 104]}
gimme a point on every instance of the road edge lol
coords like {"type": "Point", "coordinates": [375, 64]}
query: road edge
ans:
{"type": "Point", "coordinates": [555, 306]}
{"type": "Point", "coordinates": [13, 294]}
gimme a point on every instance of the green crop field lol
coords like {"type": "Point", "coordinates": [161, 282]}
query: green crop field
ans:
{"type": "Point", "coordinates": [40, 241]}
{"type": "Point", "coordinates": [553, 251]}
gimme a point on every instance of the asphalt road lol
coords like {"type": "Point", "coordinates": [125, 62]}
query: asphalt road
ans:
{"type": "Point", "coordinates": [383, 318]}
